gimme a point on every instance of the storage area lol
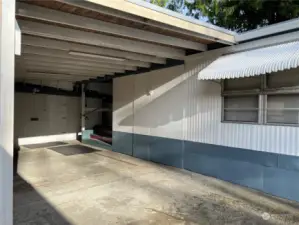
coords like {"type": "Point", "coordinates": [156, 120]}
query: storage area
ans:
{"type": "Point", "coordinates": [45, 113]}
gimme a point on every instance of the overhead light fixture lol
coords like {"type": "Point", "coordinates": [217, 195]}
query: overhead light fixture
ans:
{"type": "Point", "coordinates": [95, 56]}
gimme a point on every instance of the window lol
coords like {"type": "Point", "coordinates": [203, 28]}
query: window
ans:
{"type": "Point", "coordinates": [283, 109]}
{"type": "Point", "coordinates": [241, 99]}
{"type": "Point", "coordinates": [268, 99]}
{"type": "Point", "coordinates": [241, 108]}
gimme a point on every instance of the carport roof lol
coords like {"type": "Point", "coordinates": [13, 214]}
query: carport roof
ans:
{"type": "Point", "coordinates": [81, 40]}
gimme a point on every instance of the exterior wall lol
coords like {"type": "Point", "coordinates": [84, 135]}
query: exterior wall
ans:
{"type": "Point", "coordinates": [45, 115]}
{"type": "Point", "coordinates": [170, 117]}
{"type": "Point", "coordinates": [182, 107]}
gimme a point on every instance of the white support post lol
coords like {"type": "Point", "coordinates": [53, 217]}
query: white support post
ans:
{"type": "Point", "coordinates": [83, 109]}
{"type": "Point", "coordinates": [7, 60]}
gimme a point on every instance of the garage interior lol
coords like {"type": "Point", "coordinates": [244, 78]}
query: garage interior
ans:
{"type": "Point", "coordinates": [65, 171]}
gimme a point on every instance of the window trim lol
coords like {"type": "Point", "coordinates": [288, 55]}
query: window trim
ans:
{"type": "Point", "coordinates": [263, 93]}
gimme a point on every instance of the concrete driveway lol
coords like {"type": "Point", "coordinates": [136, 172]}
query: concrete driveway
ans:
{"type": "Point", "coordinates": [72, 184]}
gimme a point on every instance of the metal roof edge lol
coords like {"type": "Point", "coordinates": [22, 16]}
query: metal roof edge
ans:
{"type": "Point", "coordinates": [269, 30]}
{"type": "Point", "coordinates": [250, 45]}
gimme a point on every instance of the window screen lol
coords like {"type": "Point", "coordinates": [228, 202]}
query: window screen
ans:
{"type": "Point", "coordinates": [283, 109]}
{"type": "Point", "coordinates": [241, 108]}
{"type": "Point", "coordinates": [248, 83]}
{"type": "Point", "coordinates": [288, 78]}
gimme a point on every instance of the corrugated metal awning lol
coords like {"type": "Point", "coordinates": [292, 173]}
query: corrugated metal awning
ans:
{"type": "Point", "coordinates": [254, 62]}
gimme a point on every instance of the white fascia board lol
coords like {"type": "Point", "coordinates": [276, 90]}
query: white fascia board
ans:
{"type": "Point", "coordinates": [134, 12]}
{"type": "Point", "coordinates": [180, 16]}
{"type": "Point", "coordinates": [189, 20]}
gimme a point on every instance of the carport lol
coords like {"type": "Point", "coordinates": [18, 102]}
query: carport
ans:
{"type": "Point", "coordinates": [77, 48]}
{"type": "Point", "coordinates": [68, 45]}
{"type": "Point", "coordinates": [71, 51]}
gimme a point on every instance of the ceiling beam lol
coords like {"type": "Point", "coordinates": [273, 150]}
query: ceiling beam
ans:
{"type": "Point", "coordinates": [169, 63]}
{"type": "Point", "coordinates": [67, 71]}
{"type": "Point", "coordinates": [20, 69]}
{"type": "Point", "coordinates": [49, 76]}
{"type": "Point", "coordinates": [70, 46]}
{"type": "Point", "coordinates": [49, 59]}
{"type": "Point", "coordinates": [54, 16]}
{"type": "Point", "coordinates": [65, 55]}
{"type": "Point", "coordinates": [78, 36]}
{"type": "Point", "coordinates": [65, 66]}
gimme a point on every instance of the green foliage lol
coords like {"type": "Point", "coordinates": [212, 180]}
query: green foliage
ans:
{"type": "Point", "coordinates": [161, 3]}
{"type": "Point", "coordinates": [243, 15]}
{"type": "Point", "coordinates": [240, 15]}
{"type": "Point", "coordinates": [175, 5]}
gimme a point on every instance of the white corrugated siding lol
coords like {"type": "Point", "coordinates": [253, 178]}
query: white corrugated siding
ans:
{"type": "Point", "coordinates": [182, 107]}
{"type": "Point", "coordinates": [204, 124]}
{"type": "Point", "coordinates": [254, 62]}
{"type": "Point", "coordinates": [123, 100]}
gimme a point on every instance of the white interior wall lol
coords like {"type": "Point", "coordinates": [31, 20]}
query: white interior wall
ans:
{"type": "Point", "coordinates": [182, 107]}
{"type": "Point", "coordinates": [55, 115]}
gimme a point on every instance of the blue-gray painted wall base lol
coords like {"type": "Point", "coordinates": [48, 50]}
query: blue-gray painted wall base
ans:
{"type": "Point", "coordinates": [122, 143]}
{"type": "Point", "coordinates": [268, 172]}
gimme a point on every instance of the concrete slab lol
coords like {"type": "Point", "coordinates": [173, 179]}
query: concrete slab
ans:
{"type": "Point", "coordinates": [104, 187]}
